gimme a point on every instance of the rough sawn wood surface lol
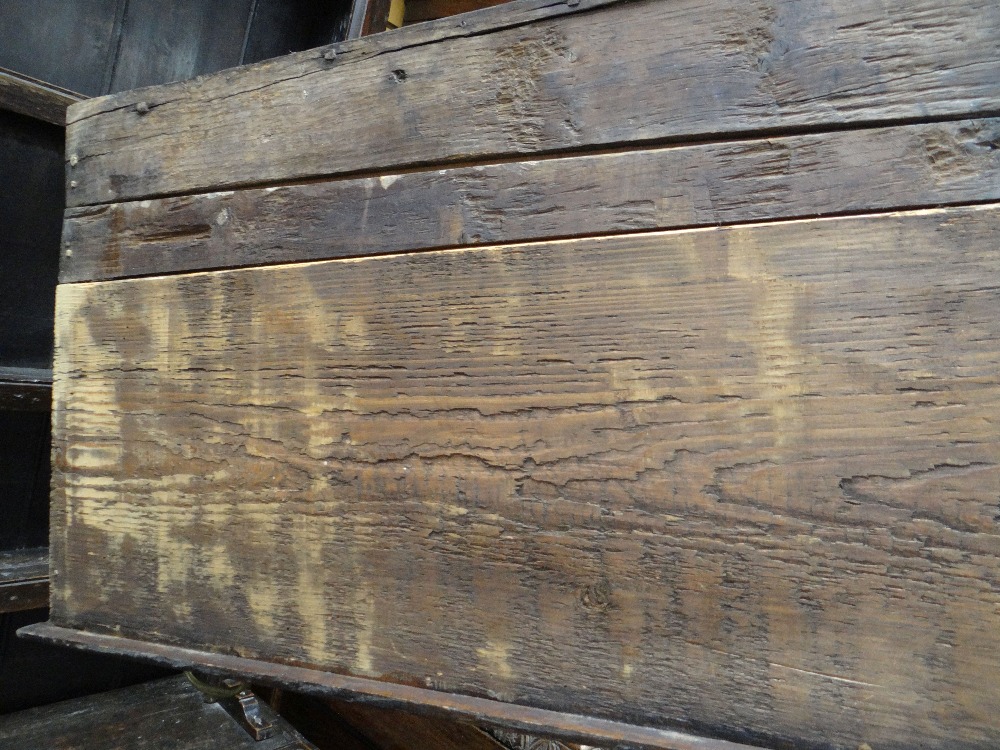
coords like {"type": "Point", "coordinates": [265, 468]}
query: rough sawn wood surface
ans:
{"type": "Point", "coordinates": [717, 183]}
{"type": "Point", "coordinates": [624, 73]}
{"type": "Point", "coordinates": [741, 480]}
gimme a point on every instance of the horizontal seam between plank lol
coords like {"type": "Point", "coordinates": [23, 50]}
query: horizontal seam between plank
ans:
{"type": "Point", "coordinates": [616, 147]}
{"type": "Point", "coordinates": [942, 207]}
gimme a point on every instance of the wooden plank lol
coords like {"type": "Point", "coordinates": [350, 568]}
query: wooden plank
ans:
{"type": "Point", "coordinates": [627, 72]}
{"type": "Point", "coordinates": [24, 579]}
{"type": "Point", "coordinates": [166, 714]}
{"type": "Point", "coordinates": [881, 168]}
{"type": "Point", "coordinates": [27, 96]}
{"type": "Point", "coordinates": [741, 480]}
{"type": "Point", "coordinates": [387, 694]}
{"type": "Point", "coordinates": [25, 389]}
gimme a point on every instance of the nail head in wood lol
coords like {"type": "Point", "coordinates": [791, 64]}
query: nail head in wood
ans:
{"type": "Point", "coordinates": [330, 55]}
{"type": "Point", "coordinates": [74, 160]}
{"type": "Point", "coordinates": [142, 108]}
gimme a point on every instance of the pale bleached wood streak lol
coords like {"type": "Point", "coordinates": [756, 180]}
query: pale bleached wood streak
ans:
{"type": "Point", "coordinates": [626, 72]}
{"type": "Point", "coordinates": [882, 168]}
{"type": "Point", "coordinates": [741, 480]}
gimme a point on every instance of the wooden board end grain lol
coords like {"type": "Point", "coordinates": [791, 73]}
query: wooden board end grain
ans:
{"type": "Point", "coordinates": [741, 481]}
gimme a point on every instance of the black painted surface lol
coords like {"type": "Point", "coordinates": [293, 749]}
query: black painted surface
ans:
{"type": "Point", "coordinates": [174, 41]}
{"type": "Point", "coordinates": [34, 674]}
{"type": "Point", "coordinates": [283, 26]}
{"type": "Point", "coordinates": [68, 43]}
{"type": "Point", "coordinates": [31, 206]}
{"type": "Point", "coordinates": [96, 47]}
{"type": "Point", "coordinates": [24, 480]}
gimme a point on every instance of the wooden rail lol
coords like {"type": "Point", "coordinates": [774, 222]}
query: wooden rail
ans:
{"type": "Point", "coordinates": [25, 389]}
{"type": "Point", "coordinates": [24, 579]}
{"type": "Point", "coordinates": [34, 98]}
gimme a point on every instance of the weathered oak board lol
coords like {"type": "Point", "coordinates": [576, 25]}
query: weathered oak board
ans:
{"type": "Point", "coordinates": [622, 73]}
{"type": "Point", "coordinates": [880, 168]}
{"type": "Point", "coordinates": [741, 480]}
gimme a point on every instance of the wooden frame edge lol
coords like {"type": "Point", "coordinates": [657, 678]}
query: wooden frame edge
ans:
{"type": "Point", "coordinates": [572, 727]}
{"type": "Point", "coordinates": [36, 99]}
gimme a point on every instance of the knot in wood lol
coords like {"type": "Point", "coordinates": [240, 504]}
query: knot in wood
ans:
{"type": "Point", "coordinates": [597, 595]}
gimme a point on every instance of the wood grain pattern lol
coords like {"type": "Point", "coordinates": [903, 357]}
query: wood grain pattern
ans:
{"type": "Point", "coordinates": [27, 96]}
{"type": "Point", "coordinates": [626, 72]}
{"type": "Point", "coordinates": [881, 168]}
{"type": "Point", "coordinates": [739, 480]}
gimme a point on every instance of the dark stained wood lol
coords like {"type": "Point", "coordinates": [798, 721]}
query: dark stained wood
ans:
{"type": "Point", "coordinates": [25, 389]}
{"type": "Point", "coordinates": [392, 729]}
{"type": "Point", "coordinates": [358, 725]}
{"type": "Point", "coordinates": [24, 579]}
{"type": "Point", "coordinates": [312, 716]}
{"type": "Point", "coordinates": [863, 170]}
{"type": "Point", "coordinates": [166, 714]}
{"type": "Point", "coordinates": [418, 11]}
{"type": "Point", "coordinates": [368, 17]}
{"type": "Point", "coordinates": [27, 96]}
{"type": "Point", "coordinates": [628, 72]}
{"type": "Point", "coordinates": [18, 596]}
{"type": "Point", "coordinates": [738, 480]}
{"type": "Point", "coordinates": [387, 694]}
